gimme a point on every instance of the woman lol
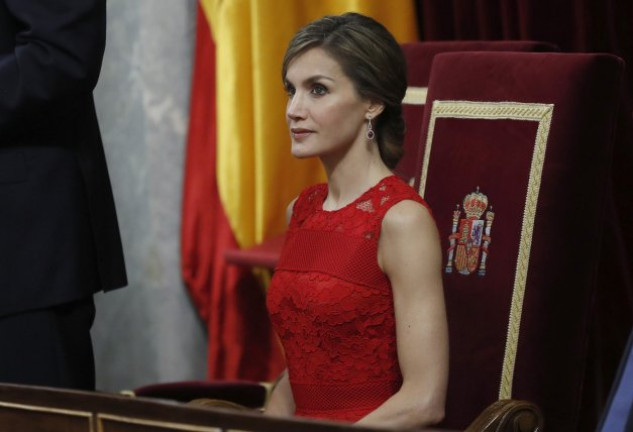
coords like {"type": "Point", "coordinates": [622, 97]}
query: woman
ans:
{"type": "Point", "coordinates": [357, 296]}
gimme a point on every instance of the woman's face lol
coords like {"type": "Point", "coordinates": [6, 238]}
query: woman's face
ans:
{"type": "Point", "coordinates": [325, 114]}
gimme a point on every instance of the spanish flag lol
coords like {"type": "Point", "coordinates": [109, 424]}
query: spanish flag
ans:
{"type": "Point", "coordinates": [239, 174]}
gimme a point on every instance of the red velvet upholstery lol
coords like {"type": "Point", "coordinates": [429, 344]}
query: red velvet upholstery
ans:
{"type": "Point", "coordinates": [246, 393]}
{"type": "Point", "coordinates": [419, 57]}
{"type": "Point", "coordinates": [520, 326]}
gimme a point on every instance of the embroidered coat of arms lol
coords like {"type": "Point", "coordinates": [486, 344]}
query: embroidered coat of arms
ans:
{"type": "Point", "coordinates": [470, 236]}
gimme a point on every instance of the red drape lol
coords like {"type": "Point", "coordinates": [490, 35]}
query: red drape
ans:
{"type": "Point", "coordinates": [225, 296]}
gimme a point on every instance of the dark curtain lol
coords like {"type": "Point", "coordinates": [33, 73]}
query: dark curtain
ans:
{"type": "Point", "coordinates": [574, 26]}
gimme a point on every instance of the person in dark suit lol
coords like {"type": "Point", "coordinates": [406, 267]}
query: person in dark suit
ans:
{"type": "Point", "coordinates": [59, 236]}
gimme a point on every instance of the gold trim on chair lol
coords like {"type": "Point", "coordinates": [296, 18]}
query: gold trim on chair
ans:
{"type": "Point", "coordinates": [415, 96]}
{"type": "Point", "coordinates": [541, 113]}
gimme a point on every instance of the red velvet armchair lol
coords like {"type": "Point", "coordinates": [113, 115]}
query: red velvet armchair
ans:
{"type": "Point", "coordinates": [516, 165]}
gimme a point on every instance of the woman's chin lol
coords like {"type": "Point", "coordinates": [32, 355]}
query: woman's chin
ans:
{"type": "Point", "coordinates": [300, 156]}
{"type": "Point", "coordinates": [300, 153]}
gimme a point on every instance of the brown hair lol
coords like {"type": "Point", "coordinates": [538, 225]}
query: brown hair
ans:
{"type": "Point", "coordinates": [372, 59]}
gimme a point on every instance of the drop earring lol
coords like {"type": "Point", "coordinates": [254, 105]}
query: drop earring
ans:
{"type": "Point", "coordinates": [370, 130]}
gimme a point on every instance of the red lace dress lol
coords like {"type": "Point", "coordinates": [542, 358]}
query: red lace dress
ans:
{"type": "Point", "coordinates": [332, 306]}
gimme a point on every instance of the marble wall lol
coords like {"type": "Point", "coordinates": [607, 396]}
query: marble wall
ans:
{"type": "Point", "coordinates": [148, 332]}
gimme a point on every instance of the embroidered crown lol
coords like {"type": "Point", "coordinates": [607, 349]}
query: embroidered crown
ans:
{"type": "Point", "coordinates": [475, 204]}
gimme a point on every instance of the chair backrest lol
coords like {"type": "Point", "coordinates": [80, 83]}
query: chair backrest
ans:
{"type": "Point", "coordinates": [516, 159]}
{"type": "Point", "coordinates": [419, 57]}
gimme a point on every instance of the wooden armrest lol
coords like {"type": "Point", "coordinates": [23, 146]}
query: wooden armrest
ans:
{"type": "Point", "coordinates": [508, 416]}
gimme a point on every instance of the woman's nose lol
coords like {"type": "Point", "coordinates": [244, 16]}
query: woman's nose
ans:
{"type": "Point", "coordinates": [295, 108]}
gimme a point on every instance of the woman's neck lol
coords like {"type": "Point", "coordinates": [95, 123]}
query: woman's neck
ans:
{"type": "Point", "coordinates": [350, 176]}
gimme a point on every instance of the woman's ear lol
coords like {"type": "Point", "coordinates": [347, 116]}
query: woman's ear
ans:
{"type": "Point", "coordinates": [375, 108]}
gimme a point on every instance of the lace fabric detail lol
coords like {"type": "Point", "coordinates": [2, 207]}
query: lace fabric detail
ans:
{"type": "Point", "coordinates": [332, 306]}
{"type": "Point", "coordinates": [333, 331]}
{"type": "Point", "coordinates": [361, 217]}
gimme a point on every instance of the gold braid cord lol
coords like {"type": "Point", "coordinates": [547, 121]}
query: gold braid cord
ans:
{"type": "Point", "coordinates": [541, 113]}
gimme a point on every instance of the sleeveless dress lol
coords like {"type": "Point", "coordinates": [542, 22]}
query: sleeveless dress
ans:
{"type": "Point", "coordinates": [332, 306]}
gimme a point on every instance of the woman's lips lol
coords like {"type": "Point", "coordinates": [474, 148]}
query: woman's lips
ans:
{"type": "Point", "coordinates": [300, 133]}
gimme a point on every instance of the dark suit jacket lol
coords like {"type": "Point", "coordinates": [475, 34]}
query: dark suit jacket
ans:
{"type": "Point", "coordinates": [59, 237]}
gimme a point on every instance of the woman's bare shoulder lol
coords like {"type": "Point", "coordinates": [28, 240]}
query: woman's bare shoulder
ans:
{"type": "Point", "coordinates": [406, 215]}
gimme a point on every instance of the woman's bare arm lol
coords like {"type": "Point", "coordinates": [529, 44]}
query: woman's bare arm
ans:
{"type": "Point", "coordinates": [410, 254]}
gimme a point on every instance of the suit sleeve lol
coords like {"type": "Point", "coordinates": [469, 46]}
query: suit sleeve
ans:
{"type": "Point", "coordinates": [57, 55]}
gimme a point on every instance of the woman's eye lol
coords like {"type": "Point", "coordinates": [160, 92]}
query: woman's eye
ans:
{"type": "Point", "coordinates": [319, 90]}
{"type": "Point", "coordinates": [290, 90]}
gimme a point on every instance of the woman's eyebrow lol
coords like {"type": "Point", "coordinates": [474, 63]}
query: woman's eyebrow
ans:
{"type": "Point", "coordinates": [312, 79]}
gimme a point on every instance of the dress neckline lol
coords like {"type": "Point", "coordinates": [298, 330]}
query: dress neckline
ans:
{"type": "Point", "coordinates": [357, 199]}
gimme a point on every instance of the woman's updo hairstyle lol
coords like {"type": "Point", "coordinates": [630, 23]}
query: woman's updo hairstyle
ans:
{"type": "Point", "coordinates": [372, 59]}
